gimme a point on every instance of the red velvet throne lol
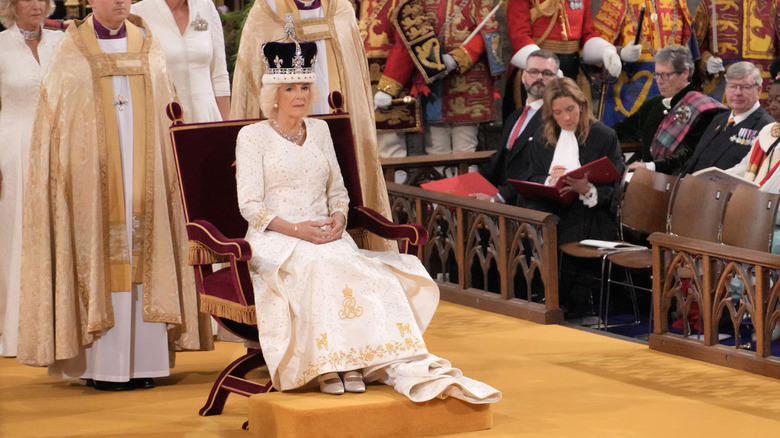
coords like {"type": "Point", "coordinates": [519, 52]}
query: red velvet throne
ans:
{"type": "Point", "coordinates": [205, 163]}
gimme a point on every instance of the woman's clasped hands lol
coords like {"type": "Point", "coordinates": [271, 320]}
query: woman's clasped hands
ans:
{"type": "Point", "coordinates": [319, 232]}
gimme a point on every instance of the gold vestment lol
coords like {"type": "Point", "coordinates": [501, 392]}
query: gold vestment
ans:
{"type": "Point", "coordinates": [67, 250]}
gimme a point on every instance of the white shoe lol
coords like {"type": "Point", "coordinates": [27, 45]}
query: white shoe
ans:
{"type": "Point", "coordinates": [353, 382]}
{"type": "Point", "coordinates": [330, 383]}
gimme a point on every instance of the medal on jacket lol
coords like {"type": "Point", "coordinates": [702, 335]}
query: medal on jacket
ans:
{"type": "Point", "coordinates": [744, 136]}
{"type": "Point", "coordinates": [575, 4]}
{"type": "Point", "coordinates": [199, 24]}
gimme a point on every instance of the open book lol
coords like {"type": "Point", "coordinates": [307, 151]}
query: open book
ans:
{"type": "Point", "coordinates": [463, 185]}
{"type": "Point", "coordinates": [601, 171]}
{"type": "Point", "coordinates": [609, 244]}
{"type": "Point", "coordinates": [720, 176]}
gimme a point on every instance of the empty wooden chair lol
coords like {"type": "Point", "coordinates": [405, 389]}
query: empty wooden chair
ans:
{"type": "Point", "coordinates": [643, 210]}
{"type": "Point", "coordinates": [749, 220]}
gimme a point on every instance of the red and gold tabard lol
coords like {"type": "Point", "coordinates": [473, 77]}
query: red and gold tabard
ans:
{"type": "Point", "coordinates": [666, 22]}
{"type": "Point", "coordinates": [389, 51]}
{"type": "Point", "coordinates": [467, 94]}
{"type": "Point", "coordinates": [560, 26]}
{"type": "Point", "coordinates": [746, 31]}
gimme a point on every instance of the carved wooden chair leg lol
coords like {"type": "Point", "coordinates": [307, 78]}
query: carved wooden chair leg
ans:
{"type": "Point", "coordinates": [232, 380]}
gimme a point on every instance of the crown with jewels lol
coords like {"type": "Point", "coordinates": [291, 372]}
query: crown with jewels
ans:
{"type": "Point", "coordinates": [287, 62]}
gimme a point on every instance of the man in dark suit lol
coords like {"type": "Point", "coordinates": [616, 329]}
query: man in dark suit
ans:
{"type": "Point", "coordinates": [511, 159]}
{"type": "Point", "coordinates": [730, 135]}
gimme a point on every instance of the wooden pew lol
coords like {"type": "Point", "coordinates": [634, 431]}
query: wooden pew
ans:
{"type": "Point", "coordinates": [485, 255]}
{"type": "Point", "coordinates": [712, 265]}
{"type": "Point", "coordinates": [421, 168]}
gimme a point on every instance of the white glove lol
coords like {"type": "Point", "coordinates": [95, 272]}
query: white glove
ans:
{"type": "Point", "coordinates": [382, 100]}
{"type": "Point", "coordinates": [449, 62]}
{"type": "Point", "coordinates": [631, 52]}
{"type": "Point", "coordinates": [715, 65]}
{"type": "Point", "coordinates": [612, 61]}
{"type": "Point", "coordinates": [521, 56]}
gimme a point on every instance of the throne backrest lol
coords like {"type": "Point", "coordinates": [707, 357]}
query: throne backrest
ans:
{"type": "Point", "coordinates": [206, 155]}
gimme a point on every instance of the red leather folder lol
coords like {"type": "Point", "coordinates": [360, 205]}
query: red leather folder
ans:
{"type": "Point", "coordinates": [601, 171]}
{"type": "Point", "coordinates": [462, 185]}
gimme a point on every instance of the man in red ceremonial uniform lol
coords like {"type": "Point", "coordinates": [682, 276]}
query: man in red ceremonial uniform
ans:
{"type": "Point", "coordinates": [455, 104]}
{"type": "Point", "coordinates": [562, 27]}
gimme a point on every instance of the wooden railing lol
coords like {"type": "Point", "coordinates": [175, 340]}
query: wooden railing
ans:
{"type": "Point", "coordinates": [421, 168]}
{"type": "Point", "coordinates": [711, 267]}
{"type": "Point", "coordinates": [489, 256]}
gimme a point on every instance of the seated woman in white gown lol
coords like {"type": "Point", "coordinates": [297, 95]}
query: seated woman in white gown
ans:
{"type": "Point", "coordinates": [328, 312]}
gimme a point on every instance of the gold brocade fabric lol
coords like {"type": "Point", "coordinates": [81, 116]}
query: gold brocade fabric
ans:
{"type": "Point", "coordinates": [349, 72]}
{"type": "Point", "coordinates": [65, 299]}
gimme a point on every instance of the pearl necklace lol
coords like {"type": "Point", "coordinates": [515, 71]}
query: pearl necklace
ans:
{"type": "Point", "coordinates": [284, 134]}
{"type": "Point", "coordinates": [31, 35]}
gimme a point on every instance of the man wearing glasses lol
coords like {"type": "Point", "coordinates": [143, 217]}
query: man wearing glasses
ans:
{"type": "Point", "coordinates": [511, 158]}
{"type": "Point", "coordinates": [669, 125]}
{"type": "Point", "coordinates": [731, 134]}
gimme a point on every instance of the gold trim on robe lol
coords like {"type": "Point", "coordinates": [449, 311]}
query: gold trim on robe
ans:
{"type": "Point", "coordinates": [66, 275]}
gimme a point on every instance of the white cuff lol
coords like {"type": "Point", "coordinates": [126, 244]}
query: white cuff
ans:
{"type": "Point", "coordinates": [593, 50]}
{"type": "Point", "coordinates": [591, 198]}
{"type": "Point", "coordinates": [521, 56]}
{"type": "Point", "coordinates": [650, 165]}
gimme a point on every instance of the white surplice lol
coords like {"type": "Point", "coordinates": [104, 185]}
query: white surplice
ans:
{"type": "Point", "coordinates": [195, 59]}
{"type": "Point", "coordinates": [132, 348]}
{"type": "Point", "coordinates": [333, 307]}
{"type": "Point", "coordinates": [20, 85]}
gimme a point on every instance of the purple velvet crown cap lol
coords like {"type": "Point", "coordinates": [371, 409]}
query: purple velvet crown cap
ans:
{"type": "Point", "coordinates": [289, 62]}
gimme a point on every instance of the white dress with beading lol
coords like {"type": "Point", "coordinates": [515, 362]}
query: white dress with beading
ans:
{"type": "Point", "coordinates": [195, 60]}
{"type": "Point", "coordinates": [333, 307]}
{"type": "Point", "coordinates": [20, 85]}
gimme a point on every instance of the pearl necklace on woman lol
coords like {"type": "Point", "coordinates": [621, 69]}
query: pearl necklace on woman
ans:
{"type": "Point", "coordinates": [294, 139]}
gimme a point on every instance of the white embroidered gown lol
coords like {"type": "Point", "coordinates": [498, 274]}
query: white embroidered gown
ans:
{"type": "Point", "coordinates": [333, 307]}
{"type": "Point", "coordinates": [20, 85]}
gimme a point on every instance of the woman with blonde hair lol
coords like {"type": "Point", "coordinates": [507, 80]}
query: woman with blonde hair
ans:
{"type": "Point", "coordinates": [25, 50]}
{"type": "Point", "coordinates": [570, 138]}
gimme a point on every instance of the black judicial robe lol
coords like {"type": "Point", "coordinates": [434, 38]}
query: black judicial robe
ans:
{"type": "Point", "coordinates": [578, 221]}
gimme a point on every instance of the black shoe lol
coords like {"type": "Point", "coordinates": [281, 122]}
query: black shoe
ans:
{"type": "Point", "coordinates": [101, 385]}
{"type": "Point", "coordinates": [89, 383]}
{"type": "Point", "coordinates": [143, 383]}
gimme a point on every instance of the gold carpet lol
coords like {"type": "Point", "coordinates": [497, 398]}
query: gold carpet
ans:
{"type": "Point", "coordinates": [557, 382]}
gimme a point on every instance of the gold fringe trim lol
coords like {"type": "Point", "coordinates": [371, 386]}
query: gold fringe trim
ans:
{"type": "Point", "coordinates": [360, 236]}
{"type": "Point", "coordinates": [228, 309]}
{"type": "Point", "coordinates": [201, 255]}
